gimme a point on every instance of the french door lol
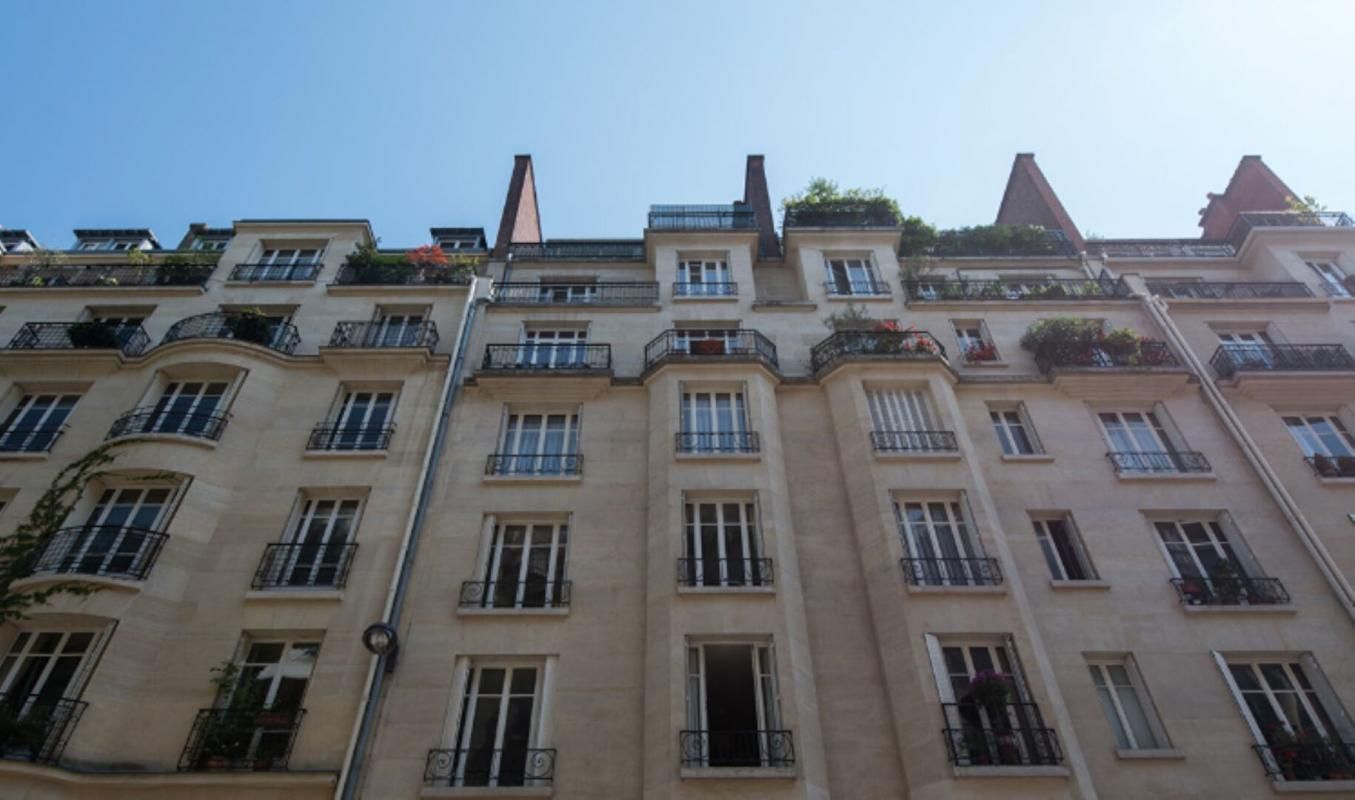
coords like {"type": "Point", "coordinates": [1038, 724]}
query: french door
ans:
{"type": "Point", "coordinates": [722, 545]}
{"type": "Point", "coordinates": [937, 541]}
{"type": "Point", "coordinates": [271, 687]}
{"type": "Point", "coordinates": [706, 341]}
{"type": "Point", "coordinates": [568, 292]}
{"type": "Point", "coordinates": [118, 534]}
{"type": "Point", "coordinates": [527, 566]}
{"type": "Point", "coordinates": [1333, 278]}
{"type": "Point", "coordinates": [189, 407]}
{"type": "Point", "coordinates": [36, 422]}
{"type": "Point", "coordinates": [1249, 348]}
{"type": "Point", "coordinates": [1283, 701]}
{"type": "Point", "coordinates": [1140, 440]}
{"type": "Point", "coordinates": [553, 348]}
{"type": "Point", "coordinates": [714, 421]}
{"type": "Point", "coordinates": [1321, 435]}
{"type": "Point", "coordinates": [397, 330]}
{"type": "Point", "coordinates": [900, 410]}
{"type": "Point", "coordinates": [703, 278]}
{"type": "Point", "coordinates": [319, 543]}
{"type": "Point", "coordinates": [42, 668]}
{"type": "Point", "coordinates": [498, 725]}
{"type": "Point", "coordinates": [540, 443]}
{"type": "Point", "coordinates": [287, 264]}
{"type": "Point", "coordinates": [733, 708]}
{"type": "Point", "coordinates": [852, 276]}
{"type": "Point", "coordinates": [981, 731]}
{"type": "Point", "coordinates": [123, 327]}
{"type": "Point", "coordinates": [362, 420]}
{"type": "Point", "coordinates": [1199, 550]}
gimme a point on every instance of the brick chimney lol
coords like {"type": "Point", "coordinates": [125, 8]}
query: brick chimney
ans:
{"type": "Point", "coordinates": [521, 220]}
{"type": "Point", "coordinates": [755, 195]}
{"type": "Point", "coordinates": [1030, 200]}
{"type": "Point", "coordinates": [1253, 187]}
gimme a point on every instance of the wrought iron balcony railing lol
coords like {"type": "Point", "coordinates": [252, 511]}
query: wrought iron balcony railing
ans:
{"type": "Point", "coordinates": [1230, 359]}
{"type": "Point", "coordinates": [329, 437]}
{"type": "Point", "coordinates": [602, 293]}
{"type": "Point", "coordinates": [265, 273]}
{"type": "Point", "coordinates": [726, 572]}
{"type": "Point", "coordinates": [403, 275]}
{"type": "Point", "coordinates": [30, 439]}
{"type": "Point", "coordinates": [512, 766]}
{"type": "Point", "coordinates": [1079, 355]}
{"type": "Point", "coordinates": [380, 334]}
{"type": "Point", "coordinates": [579, 250]}
{"type": "Point", "coordinates": [256, 740]}
{"type": "Point", "coordinates": [734, 345]}
{"type": "Point", "coordinates": [966, 244]}
{"type": "Point", "coordinates": [1162, 248]}
{"type": "Point", "coordinates": [850, 214]}
{"type": "Point", "coordinates": [875, 345]}
{"type": "Point", "coordinates": [1250, 220]}
{"type": "Point", "coordinates": [869, 288]}
{"type": "Point", "coordinates": [717, 442]}
{"type": "Point", "coordinates": [80, 276]}
{"type": "Point", "coordinates": [736, 749]}
{"type": "Point", "coordinates": [130, 340]}
{"type": "Point", "coordinates": [1332, 466]}
{"type": "Point", "coordinates": [152, 420]}
{"type": "Point", "coordinates": [736, 217]}
{"type": "Point", "coordinates": [913, 441]}
{"type": "Point", "coordinates": [532, 464]}
{"type": "Point", "coordinates": [1231, 591]}
{"type": "Point", "coordinates": [999, 735]}
{"type": "Point", "coordinates": [706, 289]}
{"type": "Point", "coordinates": [36, 728]}
{"type": "Point", "coordinates": [1166, 461]}
{"type": "Point", "coordinates": [300, 565]}
{"type": "Point", "coordinates": [1315, 759]}
{"type": "Point", "coordinates": [255, 328]}
{"type": "Point", "coordinates": [1229, 290]}
{"type": "Point", "coordinates": [111, 551]}
{"type": "Point", "coordinates": [939, 290]}
{"type": "Point", "coordinates": [530, 357]}
{"type": "Point", "coordinates": [531, 593]}
{"type": "Point", "coordinates": [951, 571]}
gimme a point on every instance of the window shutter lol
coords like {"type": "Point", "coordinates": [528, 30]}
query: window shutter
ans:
{"type": "Point", "coordinates": [938, 660]}
{"type": "Point", "coordinates": [1331, 703]}
{"type": "Point", "coordinates": [1237, 695]}
{"type": "Point", "coordinates": [1018, 672]}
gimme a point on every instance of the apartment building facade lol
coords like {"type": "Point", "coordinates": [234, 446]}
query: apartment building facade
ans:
{"type": "Point", "coordinates": [722, 511]}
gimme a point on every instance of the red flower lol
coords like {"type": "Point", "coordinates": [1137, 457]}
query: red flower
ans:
{"type": "Point", "coordinates": [430, 255]}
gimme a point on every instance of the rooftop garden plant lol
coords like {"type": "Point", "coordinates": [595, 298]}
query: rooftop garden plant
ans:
{"type": "Point", "coordinates": [1069, 341]}
{"type": "Point", "coordinates": [984, 240]}
{"type": "Point", "coordinates": [425, 264]}
{"type": "Point", "coordinates": [823, 204]}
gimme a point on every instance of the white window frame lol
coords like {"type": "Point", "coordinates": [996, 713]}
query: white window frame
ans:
{"type": "Point", "coordinates": [1053, 555]}
{"type": "Point", "coordinates": [1331, 275]}
{"type": "Point", "coordinates": [1311, 439]}
{"type": "Point", "coordinates": [43, 424]}
{"type": "Point", "coordinates": [858, 273]}
{"type": "Point", "coordinates": [901, 409]}
{"type": "Point", "coordinates": [1003, 426]}
{"type": "Point", "coordinates": [701, 416]}
{"type": "Point", "coordinates": [703, 277]}
{"type": "Point", "coordinates": [746, 530]}
{"type": "Point", "coordinates": [766, 691]}
{"type": "Point", "coordinates": [511, 433]}
{"type": "Point", "coordinates": [931, 540]}
{"type": "Point", "coordinates": [1109, 693]}
{"type": "Point", "coordinates": [22, 651]}
{"type": "Point", "coordinates": [556, 565]}
{"type": "Point", "coordinates": [551, 346]}
{"type": "Point", "coordinates": [469, 673]}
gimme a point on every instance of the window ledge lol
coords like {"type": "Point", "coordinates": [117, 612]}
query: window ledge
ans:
{"type": "Point", "coordinates": [737, 773]}
{"type": "Point", "coordinates": [1167, 476]}
{"type": "Point", "coordinates": [1307, 787]}
{"type": "Point", "coordinates": [288, 595]}
{"type": "Point", "coordinates": [575, 478]}
{"type": "Point", "coordinates": [1052, 771]}
{"type": "Point", "coordinates": [784, 305]}
{"type": "Point", "coordinates": [998, 363]}
{"type": "Point", "coordinates": [1286, 608]}
{"type": "Point", "coordinates": [175, 438]}
{"type": "Point", "coordinates": [100, 581]}
{"type": "Point", "coordinates": [265, 284]}
{"type": "Point", "coordinates": [998, 589]}
{"type": "Point", "coordinates": [1156, 754]}
{"type": "Point", "coordinates": [714, 298]}
{"type": "Point", "coordinates": [907, 455]}
{"type": "Point", "coordinates": [756, 456]}
{"type": "Point", "coordinates": [1337, 482]}
{"type": "Point", "coordinates": [862, 298]}
{"type": "Point", "coordinates": [476, 611]}
{"type": "Point", "coordinates": [753, 590]}
{"type": "Point", "coordinates": [487, 792]}
{"type": "Point", "coordinates": [1028, 458]}
{"type": "Point", "coordinates": [345, 453]}
{"type": "Point", "coordinates": [1095, 585]}
{"type": "Point", "coordinates": [19, 456]}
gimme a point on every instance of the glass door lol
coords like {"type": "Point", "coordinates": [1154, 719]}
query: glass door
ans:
{"type": "Point", "coordinates": [497, 726]}
{"type": "Point", "coordinates": [189, 408]}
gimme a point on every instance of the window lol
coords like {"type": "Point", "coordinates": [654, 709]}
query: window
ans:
{"type": "Point", "coordinates": [36, 422]}
{"type": "Point", "coordinates": [190, 408]}
{"type": "Point", "coordinates": [722, 545]}
{"type": "Point", "coordinates": [540, 443]}
{"type": "Point", "coordinates": [707, 341]}
{"type": "Point", "coordinates": [902, 420]}
{"type": "Point", "coordinates": [397, 329]}
{"type": "Point", "coordinates": [459, 243]}
{"type": "Point", "coordinates": [124, 327]}
{"type": "Point", "coordinates": [1127, 706]}
{"type": "Point", "coordinates": [1333, 277]}
{"type": "Point", "coordinates": [733, 708]}
{"type": "Point", "coordinates": [553, 348]}
{"type": "Point", "coordinates": [287, 264]}
{"type": "Point", "coordinates": [120, 537]}
{"type": "Point", "coordinates": [317, 548]}
{"type": "Point", "coordinates": [975, 343]}
{"type": "Point", "coordinates": [1139, 443]}
{"type": "Point", "coordinates": [1321, 435]}
{"type": "Point", "coordinates": [525, 569]}
{"type": "Point", "coordinates": [1063, 550]}
{"type": "Point", "coordinates": [581, 291]}
{"type": "Point", "coordinates": [363, 422]}
{"type": "Point", "coordinates": [714, 422]}
{"type": "Point", "coordinates": [1211, 568]}
{"type": "Point", "coordinates": [938, 548]}
{"type": "Point", "coordinates": [210, 245]}
{"type": "Point", "coordinates": [852, 276]}
{"type": "Point", "coordinates": [42, 668]}
{"type": "Point", "coordinates": [497, 729]}
{"type": "Point", "coordinates": [703, 278]}
{"type": "Point", "coordinates": [273, 677]}
{"type": "Point", "coordinates": [1250, 349]}
{"type": "Point", "coordinates": [1014, 432]}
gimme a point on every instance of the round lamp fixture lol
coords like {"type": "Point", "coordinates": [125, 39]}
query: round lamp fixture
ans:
{"type": "Point", "coordinates": [380, 639]}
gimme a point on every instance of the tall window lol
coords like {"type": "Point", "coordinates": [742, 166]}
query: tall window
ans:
{"type": "Point", "coordinates": [273, 676]}
{"type": "Point", "coordinates": [733, 708]}
{"type": "Point", "coordinates": [722, 545]}
{"type": "Point", "coordinates": [36, 422]}
{"type": "Point", "coordinates": [1127, 706]}
{"type": "Point", "coordinates": [990, 719]}
{"type": "Point", "coordinates": [714, 422]}
{"type": "Point", "coordinates": [582, 291]}
{"type": "Point", "coordinates": [1210, 568]}
{"type": "Point", "coordinates": [191, 408]}
{"type": "Point", "coordinates": [703, 278]}
{"type": "Point", "coordinates": [1063, 550]}
{"type": "Point", "coordinates": [539, 444]}
{"type": "Point", "coordinates": [849, 276]}
{"type": "Point", "coordinates": [497, 729]}
{"type": "Point", "coordinates": [1321, 435]}
{"type": "Point", "coordinates": [903, 420]}
{"type": "Point", "coordinates": [1014, 432]}
{"type": "Point", "coordinates": [42, 668]}
{"type": "Point", "coordinates": [397, 329]}
{"type": "Point", "coordinates": [317, 548]}
{"type": "Point", "coordinates": [1333, 277]}
{"type": "Point", "coordinates": [363, 420]}
{"type": "Point", "coordinates": [1294, 712]}
{"type": "Point", "coordinates": [119, 537]}
{"type": "Point", "coordinates": [1139, 442]}
{"type": "Point", "coordinates": [975, 343]}
{"type": "Point", "coordinates": [553, 347]}
{"type": "Point", "coordinates": [938, 547]}
{"type": "Point", "coordinates": [1252, 349]}
{"type": "Point", "coordinates": [526, 567]}
{"type": "Point", "coordinates": [124, 326]}
{"type": "Point", "coordinates": [706, 341]}
{"type": "Point", "coordinates": [287, 263]}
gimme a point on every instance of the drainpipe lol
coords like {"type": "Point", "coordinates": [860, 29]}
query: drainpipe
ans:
{"type": "Point", "coordinates": [1345, 593]}
{"type": "Point", "coordinates": [350, 775]}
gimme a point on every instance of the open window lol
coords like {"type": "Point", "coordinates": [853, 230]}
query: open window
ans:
{"type": "Point", "coordinates": [733, 707]}
{"type": "Point", "coordinates": [850, 275]}
{"type": "Point", "coordinates": [1063, 550]}
{"type": "Point", "coordinates": [1211, 564]}
{"type": "Point", "coordinates": [1325, 441]}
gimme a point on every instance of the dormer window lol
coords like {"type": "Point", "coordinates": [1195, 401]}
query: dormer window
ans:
{"type": "Point", "coordinates": [459, 240]}
{"type": "Point", "coordinates": [120, 240]}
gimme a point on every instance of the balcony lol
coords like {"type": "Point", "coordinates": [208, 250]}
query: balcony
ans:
{"type": "Point", "coordinates": [1225, 290]}
{"type": "Point", "coordinates": [877, 345]}
{"type": "Point", "coordinates": [927, 290]}
{"type": "Point", "coordinates": [842, 214]}
{"type": "Point", "coordinates": [1229, 360]}
{"type": "Point", "coordinates": [320, 565]}
{"type": "Point", "coordinates": [746, 442]}
{"type": "Point", "coordinates": [999, 241]}
{"type": "Point", "coordinates": [1080, 355]}
{"type": "Point", "coordinates": [601, 293]}
{"type": "Point", "coordinates": [1311, 758]}
{"type": "Point", "coordinates": [169, 421]}
{"type": "Point", "coordinates": [1231, 591]}
{"type": "Point", "coordinates": [275, 273]}
{"type": "Point", "coordinates": [382, 335]}
{"type": "Point", "coordinates": [999, 735]}
{"type": "Point", "coordinates": [710, 346]}
{"type": "Point", "coordinates": [725, 749]}
{"type": "Point", "coordinates": [914, 441]}
{"type": "Point", "coordinates": [130, 340]}
{"type": "Point", "coordinates": [30, 440]}
{"type": "Point", "coordinates": [531, 593]}
{"type": "Point", "coordinates": [244, 740]}
{"type": "Point", "coordinates": [1332, 466]}
{"type": "Point", "coordinates": [36, 728]}
{"type": "Point", "coordinates": [403, 274]}
{"type": "Point", "coordinates": [488, 767]}
{"type": "Point", "coordinates": [579, 250]}
{"type": "Point", "coordinates": [706, 289]}
{"type": "Point", "coordinates": [1162, 248]}
{"type": "Point", "coordinates": [546, 358]}
{"type": "Point", "coordinates": [106, 551]}
{"type": "Point", "coordinates": [85, 276]}
{"type": "Point", "coordinates": [1252, 220]}
{"type": "Point", "coordinates": [868, 288]}
{"type": "Point", "coordinates": [724, 572]}
{"type": "Point", "coordinates": [1167, 462]}
{"type": "Point", "coordinates": [951, 571]}
{"type": "Point", "coordinates": [735, 217]}
{"type": "Point", "coordinates": [347, 438]}
{"type": "Point", "coordinates": [264, 331]}
{"type": "Point", "coordinates": [534, 465]}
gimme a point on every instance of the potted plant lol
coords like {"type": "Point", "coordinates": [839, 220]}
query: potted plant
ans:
{"type": "Point", "coordinates": [179, 270]}
{"type": "Point", "coordinates": [708, 347]}
{"type": "Point", "coordinates": [1227, 581]}
{"type": "Point", "coordinates": [981, 352]}
{"type": "Point", "coordinates": [27, 731]}
{"type": "Point", "coordinates": [1325, 466]}
{"type": "Point", "coordinates": [1345, 466]}
{"type": "Point", "coordinates": [990, 689]}
{"type": "Point", "coordinates": [1194, 591]}
{"type": "Point", "coordinates": [229, 732]}
{"type": "Point", "coordinates": [93, 335]}
{"type": "Point", "coordinates": [1284, 750]}
{"type": "Point", "coordinates": [250, 325]}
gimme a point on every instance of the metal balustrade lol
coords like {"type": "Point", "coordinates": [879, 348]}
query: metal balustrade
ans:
{"type": "Point", "coordinates": [998, 735]}
{"type": "Point", "coordinates": [30, 439]}
{"type": "Point", "coordinates": [706, 289]}
{"type": "Point", "coordinates": [531, 593]}
{"type": "Point", "coordinates": [264, 331]}
{"type": "Point", "coordinates": [155, 420]}
{"type": "Point", "coordinates": [717, 442]}
{"type": "Point", "coordinates": [738, 216]}
{"type": "Point", "coordinates": [403, 274]}
{"type": "Point", "coordinates": [130, 340]}
{"type": "Point", "coordinates": [110, 551]}
{"type": "Point", "coordinates": [1230, 359]}
{"type": "Point", "coordinates": [579, 250]}
{"type": "Point", "coordinates": [914, 441]}
{"type": "Point", "coordinates": [1230, 591]}
{"type": "Point", "coordinates": [382, 334]}
{"type": "Point", "coordinates": [1310, 759]}
{"type": "Point", "coordinates": [846, 214]}
{"type": "Point", "coordinates": [329, 437]}
{"type": "Point", "coordinates": [725, 572]}
{"type": "Point", "coordinates": [882, 344]}
{"type": "Point", "coordinates": [84, 276]}
{"type": "Point", "coordinates": [1165, 461]}
{"type": "Point", "coordinates": [549, 357]}
{"type": "Point", "coordinates": [1229, 290]}
{"type": "Point", "coordinates": [483, 766]}
{"type": "Point", "coordinates": [255, 740]}
{"type": "Point", "coordinates": [36, 728]}
{"type": "Point", "coordinates": [716, 345]}
{"type": "Point", "coordinates": [265, 273]}
{"type": "Point", "coordinates": [305, 565]}
{"type": "Point", "coordinates": [951, 571]}
{"type": "Point", "coordinates": [1146, 353]}
{"type": "Point", "coordinates": [533, 464]}
{"type": "Point", "coordinates": [1248, 221]}
{"type": "Point", "coordinates": [1162, 248]}
{"type": "Point", "coordinates": [601, 293]}
{"type": "Point", "coordinates": [867, 288]}
{"type": "Point", "coordinates": [942, 290]}
{"type": "Point", "coordinates": [1332, 466]}
{"type": "Point", "coordinates": [719, 749]}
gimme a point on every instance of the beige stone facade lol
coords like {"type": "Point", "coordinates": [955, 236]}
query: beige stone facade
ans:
{"type": "Point", "coordinates": [647, 527]}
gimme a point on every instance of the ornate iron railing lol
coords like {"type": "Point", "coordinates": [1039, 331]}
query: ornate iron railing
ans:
{"type": "Point", "coordinates": [36, 728]}
{"type": "Point", "coordinates": [849, 214]}
{"type": "Point", "coordinates": [903, 345]}
{"type": "Point", "coordinates": [534, 464]}
{"type": "Point", "coordinates": [939, 290]}
{"type": "Point", "coordinates": [736, 749]}
{"type": "Point", "coordinates": [264, 273]}
{"type": "Point", "coordinates": [602, 293]}
{"type": "Point", "coordinates": [579, 250]}
{"type": "Point", "coordinates": [130, 340]}
{"type": "Point", "coordinates": [531, 593]}
{"type": "Point", "coordinates": [708, 289]}
{"type": "Point", "coordinates": [1229, 290]}
{"type": "Point", "coordinates": [913, 441]}
{"type": "Point", "coordinates": [346, 437]}
{"type": "Point", "coordinates": [951, 571]}
{"type": "Point", "coordinates": [198, 424]}
{"type": "Point", "coordinates": [1312, 760]}
{"type": "Point", "coordinates": [293, 565]}
{"type": "Point", "coordinates": [112, 551]}
{"type": "Point", "coordinates": [740, 344]}
{"type": "Point", "coordinates": [30, 440]}
{"type": "Point", "coordinates": [966, 243]}
{"type": "Point", "coordinates": [1078, 354]}
{"type": "Point", "coordinates": [528, 356]}
{"type": "Point", "coordinates": [240, 739]}
{"type": "Point", "coordinates": [874, 287]}
{"type": "Point", "coordinates": [1162, 248]}
{"type": "Point", "coordinates": [402, 274]}
{"type": "Point", "coordinates": [1249, 220]}
{"type": "Point", "coordinates": [717, 442]}
{"type": "Point", "coordinates": [1332, 466]}
{"type": "Point", "coordinates": [1230, 359]}
{"type": "Point", "coordinates": [998, 735]}
{"type": "Point", "coordinates": [1165, 461]}
{"type": "Point", "coordinates": [738, 216]}
{"type": "Point", "coordinates": [1231, 591]}
{"type": "Point", "coordinates": [736, 572]}
{"type": "Point", "coordinates": [105, 275]}
{"type": "Point", "coordinates": [488, 767]}
{"type": "Point", "coordinates": [380, 334]}
{"type": "Point", "coordinates": [258, 329]}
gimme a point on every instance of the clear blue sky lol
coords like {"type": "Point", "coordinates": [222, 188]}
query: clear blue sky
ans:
{"type": "Point", "coordinates": [408, 114]}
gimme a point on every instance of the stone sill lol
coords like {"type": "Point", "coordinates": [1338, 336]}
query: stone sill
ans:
{"type": "Point", "coordinates": [342, 454]}
{"type": "Point", "coordinates": [390, 288]}
{"type": "Point", "coordinates": [1286, 608]}
{"type": "Point", "coordinates": [295, 780]}
{"type": "Point", "coordinates": [727, 590]}
{"type": "Point", "coordinates": [175, 438]}
{"type": "Point", "coordinates": [475, 611]}
{"type": "Point", "coordinates": [1336, 481]}
{"type": "Point", "coordinates": [1028, 458]}
{"type": "Point", "coordinates": [266, 284]}
{"type": "Point", "coordinates": [702, 456]}
{"type": "Point", "coordinates": [287, 595]}
{"type": "Point", "coordinates": [862, 298]}
{"type": "Point", "coordinates": [486, 792]}
{"type": "Point", "coordinates": [1306, 787]}
{"type": "Point", "coordinates": [1011, 772]}
{"type": "Point", "coordinates": [908, 455]}
{"type": "Point", "coordinates": [1167, 476]}
{"type": "Point", "coordinates": [786, 305]}
{"type": "Point", "coordinates": [1156, 754]}
{"type": "Point", "coordinates": [101, 581]}
{"type": "Point", "coordinates": [1094, 585]}
{"type": "Point", "coordinates": [999, 363]}
{"type": "Point", "coordinates": [998, 589]}
{"type": "Point", "coordinates": [711, 298]}
{"type": "Point", "coordinates": [19, 456]}
{"type": "Point", "coordinates": [510, 479]}
{"type": "Point", "coordinates": [737, 773]}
